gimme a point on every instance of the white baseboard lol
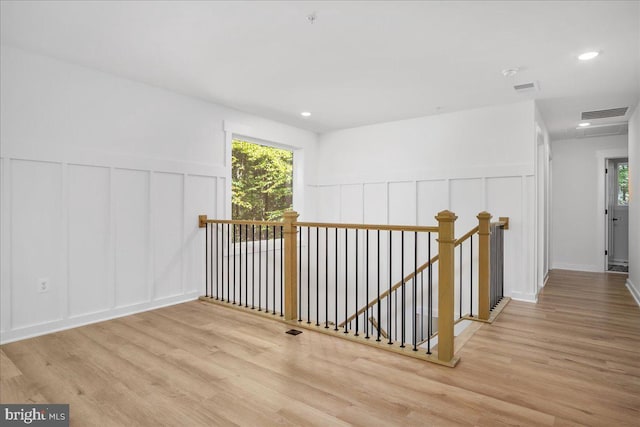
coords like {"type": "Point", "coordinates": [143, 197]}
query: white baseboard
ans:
{"type": "Point", "coordinates": [61, 325]}
{"type": "Point", "coordinates": [525, 297]}
{"type": "Point", "coordinates": [635, 293]}
{"type": "Point", "coordinates": [577, 267]}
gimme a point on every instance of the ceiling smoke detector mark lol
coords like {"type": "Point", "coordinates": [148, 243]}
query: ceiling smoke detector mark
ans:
{"type": "Point", "coordinates": [604, 114]}
{"type": "Point", "coordinates": [510, 72]}
{"type": "Point", "coordinates": [311, 18]}
{"type": "Point", "coordinates": [527, 87]}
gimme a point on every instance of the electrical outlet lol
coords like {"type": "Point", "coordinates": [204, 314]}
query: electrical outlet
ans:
{"type": "Point", "coordinates": [43, 284]}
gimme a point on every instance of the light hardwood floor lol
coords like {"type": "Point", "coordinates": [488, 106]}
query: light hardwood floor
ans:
{"type": "Point", "coordinates": [572, 359]}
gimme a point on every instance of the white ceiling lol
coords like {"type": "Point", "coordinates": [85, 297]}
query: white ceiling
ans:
{"type": "Point", "coordinates": [359, 62]}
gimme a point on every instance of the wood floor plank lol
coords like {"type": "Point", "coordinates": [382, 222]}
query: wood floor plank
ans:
{"type": "Point", "coordinates": [572, 359]}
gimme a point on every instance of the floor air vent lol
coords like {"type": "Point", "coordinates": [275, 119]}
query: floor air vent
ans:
{"type": "Point", "coordinates": [604, 114]}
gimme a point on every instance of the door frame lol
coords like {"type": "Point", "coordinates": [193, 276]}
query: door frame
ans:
{"type": "Point", "coordinates": [612, 186]}
{"type": "Point", "coordinates": [602, 157]}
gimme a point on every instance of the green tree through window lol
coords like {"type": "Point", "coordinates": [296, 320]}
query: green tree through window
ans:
{"type": "Point", "coordinates": [262, 181]}
{"type": "Point", "coordinates": [623, 184]}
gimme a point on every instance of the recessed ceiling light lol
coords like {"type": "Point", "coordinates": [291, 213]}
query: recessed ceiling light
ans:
{"type": "Point", "coordinates": [509, 72]}
{"type": "Point", "coordinates": [588, 55]}
{"type": "Point", "coordinates": [305, 114]}
{"type": "Point", "coordinates": [584, 124]}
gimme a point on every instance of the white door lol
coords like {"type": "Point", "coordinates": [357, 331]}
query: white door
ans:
{"type": "Point", "coordinates": [618, 214]}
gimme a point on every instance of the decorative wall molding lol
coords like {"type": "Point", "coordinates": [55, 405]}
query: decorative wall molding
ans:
{"type": "Point", "coordinates": [115, 241]}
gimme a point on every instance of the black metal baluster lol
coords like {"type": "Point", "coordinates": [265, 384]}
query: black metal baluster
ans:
{"type": "Point", "coordinates": [266, 270]}
{"type": "Point", "coordinates": [308, 275]}
{"type": "Point", "coordinates": [317, 276]}
{"type": "Point", "coordinates": [390, 286]}
{"type": "Point", "coordinates": [335, 310]}
{"type": "Point", "coordinates": [228, 261]}
{"type": "Point", "coordinates": [430, 295]}
{"type": "Point", "coordinates": [246, 265]}
{"type": "Point", "coordinates": [326, 278]}
{"type": "Point", "coordinates": [366, 280]}
{"type": "Point", "coordinates": [234, 264]}
{"type": "Point", "coordinates": [240, 262]}
{"type": "Point", "coordinates": [260, 267]}
{"type": "Point", "coordinates": [356, 298]}
{"type": "Point", "coordinates": [253, 266]}
{"type": "Point", "coordinates": [281, 274]}
{"type": "Point", "coordinates": [378, 282]}
{"type": "Point", "coordinates": [206, 260]}
{"type": "Point", "coordinates": [217, 265]}
{"type": "Point", "coordinates": [460, 314]}
{"type": "Point", "coordinates": [415, 288]}
{"type": "Point", "coordinates": [421, 305]}
{"type": "Point", "coordinates": [502, 261]}
{"type": "Point", "coordinates": [346, 278]}
{"type": "Point", "coordinates": [300, 274]}
{"type": "Point", "coordinates": [403, 315]}
{"type": "Point", "coordinates": [274, 270]}
{"type": "Point", "coordinates": [471, 276]}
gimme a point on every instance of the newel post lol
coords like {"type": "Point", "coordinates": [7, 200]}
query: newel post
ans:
{"type": "Point", "coordinates": [290, 265]}
{"type": "Point", "coordinates": [484, 261]}
{"type": "Point", "coordinates": [446, 274]}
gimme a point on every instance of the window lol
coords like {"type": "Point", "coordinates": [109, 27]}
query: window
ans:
{"type": "Point", "coordinates": [622, 174]}
{"type": "Point", "coordinates": [262, 181]}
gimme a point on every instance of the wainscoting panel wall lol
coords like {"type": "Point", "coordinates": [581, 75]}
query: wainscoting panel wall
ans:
{"type": "Point", "coordinates": [402, 203]}
{"type": "Point", "coordinates": [467, 200]}
{"type": "Point", "coordinates": [36, 222]}
{"type": "Point", "coordinates": [504, 195]}
{"type": "Point", "coordinates": [167, 213]}
{"type": "Point", "coordinates": [90, 280]}
{"type": "Point", "coordinates": [200, 197]}
{"type": "Point", "coordinates": [418, 202]}
{"type": "Point", "coordinates": [433, 196]}
{"type": "Point", "coordinates": [109, 241]}
{"type": "Point", "coordinates": [375, 203]}
{"type": "Point", "coordinates": [132, 254]}
{"type": "Point", "coordinates": [351, 203]}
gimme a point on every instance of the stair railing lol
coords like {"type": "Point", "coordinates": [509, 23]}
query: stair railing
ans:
{"type": "Point", "coordinates": [349, 280]}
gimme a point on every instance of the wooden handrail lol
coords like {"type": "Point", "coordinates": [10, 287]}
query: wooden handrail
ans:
{"type": "Point", "coordinates": [389, 291]}
{"type": "Point", "coordinates": [381, 227]}
{"type": "Point", "coordinates": [244, 222]}
{"type": "Point", "coordinates": [397, 286]}
{"type": "Point", "coordinates": [470, 233]}
{"type": "Point", "coordinates": [503, 221]}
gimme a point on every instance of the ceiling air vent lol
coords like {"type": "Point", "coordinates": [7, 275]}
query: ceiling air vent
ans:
{"type": "Point", "coordinates": [526, 87]}
{"type": "Point", "coordinates": [604, 114]}
{"type": "Point", "coordinates": [603, 130]}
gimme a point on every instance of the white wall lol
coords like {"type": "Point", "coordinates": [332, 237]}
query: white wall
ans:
{"type": "Point", "coordinates": [578, 209]}
{"type": "Point", "coordinates": [102, 179]}
{"type": "Point", "coordinates": [634, 204]}
{"type": "Point", "coordinates": [404, 172]}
